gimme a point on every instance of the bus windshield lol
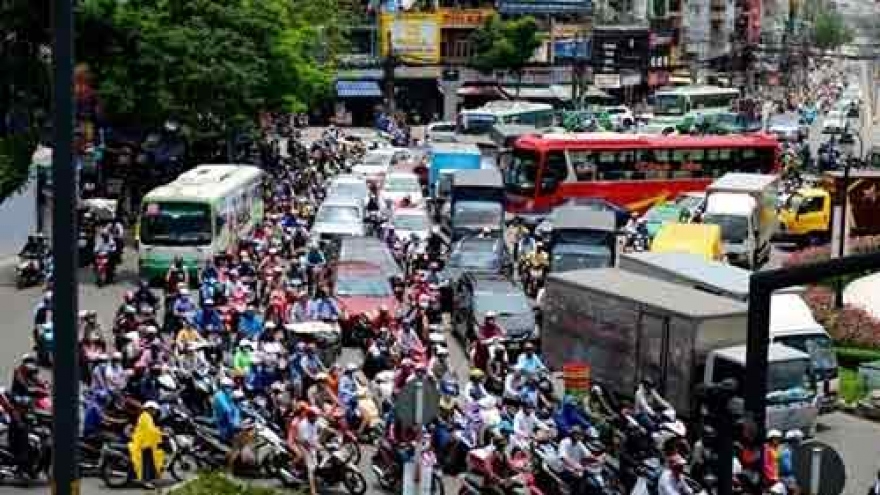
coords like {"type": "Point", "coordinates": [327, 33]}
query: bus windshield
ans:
{"type": "Point", "coordinates": [523, 171]}
{"type": "Point", "coordinates": [476, 123]}
{"type": "Point", "coordinates": [176, 224]}
{"type": "Point", "coordinates": [668, 105]}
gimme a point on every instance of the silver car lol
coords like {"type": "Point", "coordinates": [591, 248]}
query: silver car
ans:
{"type": "Point", "coordinates": [339, 218]}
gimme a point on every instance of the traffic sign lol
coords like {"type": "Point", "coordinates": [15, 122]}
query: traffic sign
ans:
{"type": "Point", "coordinates": [406, 405]}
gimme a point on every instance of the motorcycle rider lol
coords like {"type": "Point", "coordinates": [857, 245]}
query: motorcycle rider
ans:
{"type": "Point", "coordinates": [250, 324]}
{"type": "Point", "coordinates": [307, 444]}
{"type": "Point", "coordinates": [243, 358]}
{"type": "Point", "coordinates": [528, 361]}
{"type": "Point", "coordinates": [177, 274]}
{"type": "Point", "coordinates": [26, 381]}
{"type": "Point", "coordinates": [348, 389]}
{"type": "Point", "coordinates": [648, 403]}
{"type": "Point", "coordinates": [144, 295]}
{"type": "Point", "coordinates": [186, 336]}
{"type": "Point", "coordinates": [573, 453]}
{"type": "Point", "coordinates": [208, 319]}
{"type": "Point", "coordinates": [435, 244]}
{"type": "Point", "coordinates": [323, 307]}
{"type": "Point", "coordinates": [227, 417]}
{"type": "Point", "coordinates": [488, 330]}
{"type": "Point", "coordinates": [145, 447]}
{"type": "Point", "coordinates": [107, 245]}
{"type": "Point", "coordinates": [321, 393]}
{"type": "Point", "coordinates": [525, 425]}
{"type": "Point", "coordinates": [184, 310]}
{"type": "Point", "coordinates": [671, 480]}
{"type": "Point", "coordinates": [475, 388]}
{"type": "Point", "coordinates": [311, 366]}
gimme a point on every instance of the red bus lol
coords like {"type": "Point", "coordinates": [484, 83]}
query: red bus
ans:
{"type": "Point", "coordinates": [633, 171]}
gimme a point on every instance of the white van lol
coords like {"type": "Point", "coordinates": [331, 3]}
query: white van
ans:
{"type": "Point", "coordinates": [792, 324]}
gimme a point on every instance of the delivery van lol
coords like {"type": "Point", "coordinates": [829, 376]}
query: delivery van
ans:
{"type": "Point", "coordinates": [703, 240]}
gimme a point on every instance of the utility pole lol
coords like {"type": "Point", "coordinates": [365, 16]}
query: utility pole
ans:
{"type": "Point", "coordinates": [389, 64]}
{"type": "Point", "coordinates": [65, 476]}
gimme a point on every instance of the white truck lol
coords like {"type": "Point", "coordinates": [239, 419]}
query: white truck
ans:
{"type": "Point", "coordinates": [627, 326]}
{"type": "Point", "coordinates": [744, 206]}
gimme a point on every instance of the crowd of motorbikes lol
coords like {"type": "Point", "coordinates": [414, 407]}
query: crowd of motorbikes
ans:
{"type": "Point", "coordinates": [234, 371]}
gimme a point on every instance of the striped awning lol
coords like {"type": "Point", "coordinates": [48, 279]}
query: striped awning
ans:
{"type": "Point", "coordinates": [358, 89]}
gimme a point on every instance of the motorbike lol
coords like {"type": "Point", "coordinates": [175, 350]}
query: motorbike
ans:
{"type": "Point", "coordinates": [117, 471]}
{"type": "Point", "coordinates": [103, 269]}
{"type": "Point", "coordinates": [29, 272]}
{"type": "Point", "coordinates": [389, 472]}
{"type": "Point", "coordinates": [39, 457]}
{"type": "Point", "coordinates": [332, 468]}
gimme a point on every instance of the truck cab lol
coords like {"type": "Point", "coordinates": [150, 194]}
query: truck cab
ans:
{"type": "Point", "coordinates": [744, 206]}
{"type": "Point", "coordinates": [582, 238]}
{"type": "Point", "coordinates": [476, 200]}
{"type": "Point", "coordinates": [791, 404]}
{"type": "Point", "coordinates": [806, 215]}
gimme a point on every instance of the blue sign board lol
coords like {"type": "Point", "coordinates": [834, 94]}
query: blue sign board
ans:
{"type": "Point", "coordinates": [583, 7]}
{"type": "Point", "coordinates": [571, 49]}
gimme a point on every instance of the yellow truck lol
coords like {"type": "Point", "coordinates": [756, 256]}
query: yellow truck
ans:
{"type": "Point", "coordinates": [807, 215]}
{"type": "Point", "coordinates": [701, 239]}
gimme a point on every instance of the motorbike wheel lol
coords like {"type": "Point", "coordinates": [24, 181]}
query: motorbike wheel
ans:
{"type": "Point", "coordinates": [354, 482]}
{"type": "Point", "coordinates": [116, 470]}
{"type": "Point", "coordinates": [352, 450]}
{"type": "Point", "coordinates": [184, 466]}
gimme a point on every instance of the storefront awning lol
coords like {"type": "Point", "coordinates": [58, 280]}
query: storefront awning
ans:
{"type": "Point", "coordinates": [358, 89]}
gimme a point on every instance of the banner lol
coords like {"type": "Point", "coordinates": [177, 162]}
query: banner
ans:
{"type": "Point", "coordinates": [576, 379]}
{"type": "Point", "coordinates": [545, 7]}
{"type": "Point", "coordinates": [415, 37]}
{"type": "Point", "coordinates": [464, 18]}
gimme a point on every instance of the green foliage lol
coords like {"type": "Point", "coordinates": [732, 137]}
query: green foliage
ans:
{"type": "Point", "coordinates": [505, 45]}
{"type": "Point", "coordinates": [853, 357]}
{"type": "Point", "coordinates": [852, 388]}
{"type": "Point", "coordinates": [830, 31]}
{"type": "Point", "coordinates": [209, 63]}
{"type": "Point", "coordinates": [15, 160]}
{"type": "Point", "coordinates": [220, 484]}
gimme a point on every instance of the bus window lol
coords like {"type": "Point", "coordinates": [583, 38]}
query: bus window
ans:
{"type": "Point", "coordinates": [584, 164]}
{"type": "Point", "coordinates": [520, 177]}
{"type": "Point", "coordinates": [176, 224]}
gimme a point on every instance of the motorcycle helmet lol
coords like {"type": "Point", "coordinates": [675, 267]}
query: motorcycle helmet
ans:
{"type": "Point", "coordinates": [152, 405]}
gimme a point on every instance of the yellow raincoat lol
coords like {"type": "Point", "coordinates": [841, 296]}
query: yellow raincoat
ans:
{"type": "Point", "coordinates": [146, 436]}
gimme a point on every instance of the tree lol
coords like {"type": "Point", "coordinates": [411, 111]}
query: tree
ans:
{"type": "Point", "coordinates": [505, 45]}
{"type": "Point", "coordinates": [830, 31]}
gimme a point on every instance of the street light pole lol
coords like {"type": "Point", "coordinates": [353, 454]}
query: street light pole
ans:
{"type": "Point", "coordinates": [65, 477]}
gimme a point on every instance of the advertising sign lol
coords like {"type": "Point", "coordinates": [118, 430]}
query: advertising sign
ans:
{"type": "Point", "coordinates": [464, 18]}
{"type": "Point", "coordinates": [415, 37]}
{"type": "Point", "coordinates": [545, 7]}
{"type": "Point", "coordinates": [566, 49]}
{"type": "Point", "coordinates": [607, 81]}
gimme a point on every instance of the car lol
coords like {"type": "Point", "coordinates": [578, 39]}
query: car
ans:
{"type": "Point", "coordinates": [621, 117]}
{"type": "Point", "coordinates": [834, 122]}
{"type": "Point", "coordinates": [438, 132]}
{"type": "Point", "coordinates": [369, 250]}
{"type": "Point", "coordinates": [621, 214]}
{"type": "Point", "coordinates": [476, 295]}
{"type": "Point", "coordinates": [359, 288]}
{"type": "Point", "coordinates": [473, 255]}
{"type": "Point", "coordinates": [399, 185]}
{"type": "Point", "coordinates": [338, 218]}
{"type": "Point", "coordinates": [378, 162]}
{"type": "Point", "coordinates": [409, 221]}
{"type": "Point", "coordinates": [347, 186]}
{"type": "Point", "coordinates": [691, 202]}
{"type": "Point", "coordinates": [661, 214]}
{"type": "Point", "coordinates": [787, 127]}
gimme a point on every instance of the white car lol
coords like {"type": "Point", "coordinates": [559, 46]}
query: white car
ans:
{"type": "Point", "coordinates": [621, 117]}
{"type": "Point", "coordinates": [339, 218]}
{"type": "Point", "coordinates": [350, 187]}
{"type": "Point", "coordinates": [834, 122]}
{"type": "Point", "coordinates": [378, 162]}
{"type": "Point", "coordinates": [399, 185]}
{"type": "Point", "coordinates": [440, 132]}
{"type": "Point", "coordinates": [409, 221]}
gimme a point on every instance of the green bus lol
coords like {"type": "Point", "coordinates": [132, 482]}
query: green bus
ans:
{"type": "Point", "coordinates": [203, 212]}
{"type": "Point", "coordinates": [678, 109]}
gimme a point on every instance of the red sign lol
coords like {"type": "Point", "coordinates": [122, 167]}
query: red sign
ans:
{"type": "Point", "coordinates": [658, 78]}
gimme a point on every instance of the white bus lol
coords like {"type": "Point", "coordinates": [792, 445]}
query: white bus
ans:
{"type": "Point", "coordinates": [678, 108]}
{"type": "Point", "coordinates": [479, 121]}
{"type": "Point", "coordinates": [204, 211]}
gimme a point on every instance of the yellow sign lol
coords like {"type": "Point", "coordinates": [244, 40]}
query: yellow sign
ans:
{"type": "Point", "coordinates": [568, 31]}
{"type": "Point", "coordinates": [414, 37]}
{"type": "Point", "coordinates": [464, 18]}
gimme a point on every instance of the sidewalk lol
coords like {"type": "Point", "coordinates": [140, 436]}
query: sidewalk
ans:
{"type": "Point", "coordinates": [864, 293]}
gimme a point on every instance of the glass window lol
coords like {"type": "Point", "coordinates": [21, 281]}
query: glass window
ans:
{"type": "Point", "coordinates": [176, 224]}
{"type": "Point", "coordinates": [724, 154]}
{"type": "Point", "coordinates": [363, 286]}
{"type": "Point", "coordinates": [522, 173]}
{"type": "Point", "coordinates": [584, 164]}
{"type": "Point", "coordinates": [812, 204]}
{"type": "Point", "coordinates": [669, 105]}
{"type": "Point", "coordinates": [556, 171]}
{"type": "Point", "coordinates": [749, 153]}
{"type": "Point", "coordinates": [607, 157]}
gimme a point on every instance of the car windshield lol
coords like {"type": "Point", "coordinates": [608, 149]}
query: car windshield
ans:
{"type": "Point", "coordinates": [354, 190]}
{"type": "Point", "coordinates": [595, 257]}
{"type": "Point", "coordinates": [794, 202]}
{"type": "Point", "coordinates": [477, 213]}
{"type": "Point", "coordinates": [734, 228]}
{"type": "Point", "coordinates": [412, 223]}
{"type": "Point", "coordinates": [502, 303]}
{"type": "Point", "coordinates": [523, 171]}
{"type": "Point", "coordinates": [787, 375]}
{"type": "Point", "coordinates": [376, 159]}
{"type": "Point", "coordinates": [402, 184]}
{"type": "Point", "coordinates": [818, 346]}
{"type": "Point", "coordinates": [661, 214]}
{"type": "Point", "coordinates": [176, 224]}
{"type": "Point", "coordinates": [362, 286]}
{"type": "Point", "coordinates": [338, 214]}
{"type": "Point", "coordinates": [484, 259]}
{"type": "Point", "coordinates": [668, 105]}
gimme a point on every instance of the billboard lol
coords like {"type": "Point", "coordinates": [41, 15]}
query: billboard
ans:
{"type": "Point", "coordinates": [545, 7]}
{"type": "Point", "coordinates": [412, 37]}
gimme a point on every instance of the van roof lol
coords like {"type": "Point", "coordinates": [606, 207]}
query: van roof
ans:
{"type": "Point", "coordinates": [712, 276]}
{"type": "Point", "coordinates": [775, 352]}
{"type": "Point", "coordinates": [736, 181]}
{"type": "Point", "coordinates": [789, 313]}
{"type": "Point", "coordinates": [657, 294]}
